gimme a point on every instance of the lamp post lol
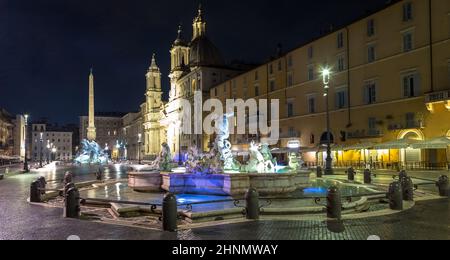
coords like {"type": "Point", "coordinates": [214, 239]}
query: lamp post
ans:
{"type": "Point", "coordinates": [326, 73]}
{"type": "Point", "coordinates": [25, 161]}
{"type": "Point", "coordinates": [139, 148]}
{"type": "Point", "coordinates": [41, 140]}
{"type": "Point", "coordinates": [48, 151]}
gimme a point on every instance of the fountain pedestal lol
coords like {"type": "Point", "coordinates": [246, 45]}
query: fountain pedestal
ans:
{"type": "Point", "coordinates": [145, 181]}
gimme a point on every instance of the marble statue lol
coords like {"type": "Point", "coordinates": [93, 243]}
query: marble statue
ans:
{"type": "Point", "coordinates": [295, 161]}
{"type": "Point", "coordinates": [91, 152]}
{"type": "Point", "coordinates": [223, 145]}
{"type": "Point", "coordinates": [164, 160]}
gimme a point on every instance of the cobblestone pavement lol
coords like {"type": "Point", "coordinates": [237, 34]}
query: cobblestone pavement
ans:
{"type": "Point", "coordinates": [20, 220]}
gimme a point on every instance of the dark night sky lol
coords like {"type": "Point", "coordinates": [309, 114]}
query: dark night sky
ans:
{"type": "Point", "coordinates": [48, 46]}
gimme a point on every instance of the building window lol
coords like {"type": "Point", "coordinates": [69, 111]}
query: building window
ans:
{"type": "Point", "coordinates": [256, 91]}
{"type": "Point", "coordinates": [310, 52]}
{"type": "Point", "coordinates": [411, 120]}
{"type": "Point", "coordinates": [215, 92]}
{"type": "Point", "coordinates": [312, 139]}
{"type": "Point", "coordinates": [270, 69]}
{"type": "Point", "coordinates": [290, 109]}
{"type": "Point", "coordinates": [290, 62]}
{"type": "Point", "coordinates": [341, 98]}
{"type": "Point", "coordinates": [407, 12]}
{"type": "Point", "coordinates": [311, 72]}
{"type": "Point", "coordinates": [280, 66]}
{"type": "Point", "coordinates": [372, 123]}
{"type": "Point", "coordinates": [371, 53]}
{"type": "Point", "coordinates": [272, 85]}
{"type": "Point", "coordinates": [292, 132]}
{"type": "Point", "coordinates": [340, 40]}
{"type": "Point", "coordinates": [311, 105]}
{"type": "Point", "coordinates": [371, 27]}
{"type": "Point", "coordinates": [341, 63]}
{"type": "Point", "coordinates": [408, 42]}
{"type": "Point", "coordinates": [370, 93]}
{"type": "Point", "coordinates": [411, 86]}
{"type": "Point", "coordinates": [256, 75]}
{"type": "Point", "coordinates": [290, 80]}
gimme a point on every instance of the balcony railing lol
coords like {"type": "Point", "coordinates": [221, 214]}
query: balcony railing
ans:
{"type": "Point", "coordinates": [290, 135]}
{"type": "Point", "coordinates": [370, 133]}
{"type": "Point", "coordinates": [437, 96]}
{"type": "Point", "coordinates": [407, 125]}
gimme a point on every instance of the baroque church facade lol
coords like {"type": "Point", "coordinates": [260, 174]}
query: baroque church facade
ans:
{"type": "Point", "coordinates": [196, 65]}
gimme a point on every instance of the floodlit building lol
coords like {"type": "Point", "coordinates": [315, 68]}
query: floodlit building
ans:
{"type": "Point", "coordinates": [50, 143]}
{"type": "Point", "coordinates": [390, 82]}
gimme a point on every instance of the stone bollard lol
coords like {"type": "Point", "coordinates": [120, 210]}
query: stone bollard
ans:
{"type": "Point", "coordinates": [395, 196]}
{"type": "Point", "coordinates": [402, 175]}
{"type": "Point", "coordinates": [367, 176]}
{"type": "Point", "coordinates": [319, 172]}
{"type": "Point", "coordinates": [98, 175]}
{"type": "Point", "coordinates": [72, 204]}
{"type": "Point", "coordinates": [443, 186]}
{"type": "Point", "coordinates": [170, 213]}
{"type": "Point", "coordinates": [407, 188]}
{"type": "Point", "coordinates": [252, 204]}
{"type": "Point", "coordinates": [351, 174]}
{"type": "Point", "coordinates": [334, 204]}
{"type": "Point", "coordinates": [68, 178]}
{"type": "Point", "coordinates": [67, 187]}
{"type": "Point", "coordinates": [42, 184]}
{"type": "Point", "coordinates": [35, 193]}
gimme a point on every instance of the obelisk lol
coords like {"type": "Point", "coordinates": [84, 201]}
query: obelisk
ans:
{"type": "Point", "coordinates": [91, 132]}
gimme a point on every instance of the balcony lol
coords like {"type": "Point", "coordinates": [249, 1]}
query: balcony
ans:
{"type": "Point", "coordinates": [416, 124]}
{"type": "Point", "coordinates": [290, 135]}
{"type": "Point", "coordinates": [360, 134]}
{"type": "Point", "coordinates": [434, 98]}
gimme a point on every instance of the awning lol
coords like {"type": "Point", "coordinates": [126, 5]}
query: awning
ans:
{"type": "Point", "coordinates": [397, 144]}
{"type": "Point", "coordinates": [359, 146]}
{"type": "Point", "coordinates": [436, 143]}
{"type": "Point", "coordinates": [334, 148]}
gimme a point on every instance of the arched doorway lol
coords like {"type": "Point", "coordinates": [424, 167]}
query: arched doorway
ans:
{"type": "Point", "coordinates": [410, 156]}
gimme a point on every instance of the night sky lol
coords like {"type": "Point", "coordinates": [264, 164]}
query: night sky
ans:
{"type": "Point", "coordinates": [48, 46]}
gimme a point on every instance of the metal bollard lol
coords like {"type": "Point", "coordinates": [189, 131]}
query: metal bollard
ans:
{"type": "Point", "coordinates": [72, 204]}
{"type": "Point", "coordinates": [334, 204]}
{"type": "Point", "coordinates": [351, 174]}
{"type": "Point", "coordinates": [42, 184]}
{"type": "Point", "coordinates": [170, 213]}
{"type": "Point", "coordinates": [252, 206]}
{"type": "Point", "coordinates": [407, 188]}
{"type": "Point", "coordinates": [367, 176]}
{"type": "Point", "coordinates": [35, 193]}
{"type": "Point", "coordinates": [319, 172]}
{"type": "Point", "coordinates": [395, 196]}
{"type": "Point", "coordinates": [443, 186]}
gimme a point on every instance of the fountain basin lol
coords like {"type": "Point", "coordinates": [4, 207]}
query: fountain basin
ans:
{"type": "Point", "coordinates": [145, 181]}
{"type": "Point", "coordinates": [234, 184]}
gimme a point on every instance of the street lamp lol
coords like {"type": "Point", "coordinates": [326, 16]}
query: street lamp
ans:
{"type": "Point", "coordinates": [326, 75]}
{"type": "Point", "coordinates": [139, 147]}
{"type": "Point", "coordinates": [48, 151]}
{"type": "Point", "coordinates": [25, 161]}
{"type": "Point", "coordinates": [41, 140]}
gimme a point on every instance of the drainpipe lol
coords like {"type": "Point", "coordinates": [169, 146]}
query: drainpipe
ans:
{"type": "Point", "coordinates": [431, 45]}
{"type": "Point", "coordinates": [348, 79]}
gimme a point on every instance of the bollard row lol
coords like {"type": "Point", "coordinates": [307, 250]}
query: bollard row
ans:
{"type": "Point", "coordinates": [37, 190]}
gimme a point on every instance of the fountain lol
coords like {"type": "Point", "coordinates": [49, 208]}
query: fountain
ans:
{"type": "Point", "coordinates": [219, 173]}
{"type": "Point", "coordinates": [91, 153]}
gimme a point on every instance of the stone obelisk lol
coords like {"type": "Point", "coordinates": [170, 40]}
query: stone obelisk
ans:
{"type": "Point", "coordinates": [91, 132]}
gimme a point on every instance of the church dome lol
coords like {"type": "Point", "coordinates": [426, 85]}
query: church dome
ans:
{"type": "Point", "coordinates": [204, 53]}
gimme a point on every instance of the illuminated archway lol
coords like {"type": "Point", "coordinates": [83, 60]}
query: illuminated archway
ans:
{"type": "Point", "coordinates": [410, 133]}
{"type": "Point", "coordinates": [410, 155]}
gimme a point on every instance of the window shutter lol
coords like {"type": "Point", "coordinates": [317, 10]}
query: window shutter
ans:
{"type": "Point", "coordinates": [366, 94]}
{"type": "Point", "coordinates": [417, 89]}
{"type": "Point", "coordinates": [405, 86]}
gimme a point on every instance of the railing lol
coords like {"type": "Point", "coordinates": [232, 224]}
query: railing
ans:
{"type": "Point", "coordinates": [365, 134]}
{"type": "Point", "coordinates": [384, 165]}
{"type": "Point", "coordinates": [437, 96]}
